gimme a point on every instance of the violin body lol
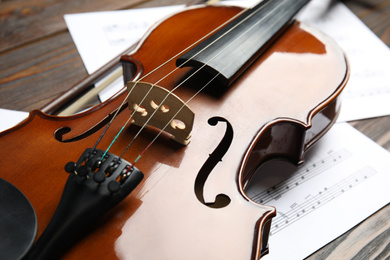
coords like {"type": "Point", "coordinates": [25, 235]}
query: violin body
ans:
{"type": "Point", "coordinates": [282, 104]}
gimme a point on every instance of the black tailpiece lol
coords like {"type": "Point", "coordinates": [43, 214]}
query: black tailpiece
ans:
{"type": "Point", "coordinates": [94, 186]}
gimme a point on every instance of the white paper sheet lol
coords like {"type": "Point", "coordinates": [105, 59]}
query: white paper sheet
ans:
{"type": "Point", "coordinates": [368, 91]}
{"type": "Point", "coordinates": [101, 36]}
{"type": "Point", "coordinates": [10, 118]}
{"type": "Point", "coordinates": [344, 180]}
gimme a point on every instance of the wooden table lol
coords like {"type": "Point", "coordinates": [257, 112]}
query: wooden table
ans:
{"type": "Point", "coordinates": [39, 61]}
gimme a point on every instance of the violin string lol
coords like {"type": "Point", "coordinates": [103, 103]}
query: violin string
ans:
{"type": "Point", "coordinates": [157, 108]}
{"type": "Point", "coordinates": [168, 123]}
{"type": "Point", "coordinates": [161, 103]}
{"type": "Point", "coordinates": [154, 70]}
{"type": "Point", "coordinates": [161, 130]}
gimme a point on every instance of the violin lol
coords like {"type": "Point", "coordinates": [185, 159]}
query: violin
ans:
{"type": "Point", "coordinates": [159, 170]}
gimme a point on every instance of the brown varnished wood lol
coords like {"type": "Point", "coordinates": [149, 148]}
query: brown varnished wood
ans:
{"type": "Point", "coordinates": [162, 219]}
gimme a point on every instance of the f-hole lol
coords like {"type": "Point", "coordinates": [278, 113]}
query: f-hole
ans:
{"type": "Point", "coordinates": [221, 200]}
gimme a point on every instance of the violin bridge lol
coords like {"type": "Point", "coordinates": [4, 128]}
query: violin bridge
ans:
{"type": "Point", "coordinates": [157, 107]}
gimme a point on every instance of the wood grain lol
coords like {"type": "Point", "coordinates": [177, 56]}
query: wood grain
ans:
{"type": "Point", "coordinates": [38, 61]}
{"type": "Point", "coordinates": [45, 17]}
{"type": "Point", "coordinates": [33, 75]}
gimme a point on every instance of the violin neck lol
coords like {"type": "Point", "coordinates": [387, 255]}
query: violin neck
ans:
{"type": "Point", "coordinates": [229, 51]}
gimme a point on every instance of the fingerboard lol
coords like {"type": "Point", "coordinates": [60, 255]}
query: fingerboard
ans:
{"type": "Point", "coordinates": [231, 50]}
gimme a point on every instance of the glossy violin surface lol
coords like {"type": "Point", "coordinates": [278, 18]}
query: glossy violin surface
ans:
{"type": "Point", "coordinates": [208, 138]}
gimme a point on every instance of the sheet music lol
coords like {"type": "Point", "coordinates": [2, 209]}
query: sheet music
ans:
{"type": "Point", "coordinates": [337, 187]}
{"type": "Point", "coordinates": [101, 36]}
{"type": "Point", "coordinates": [368, 90]}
